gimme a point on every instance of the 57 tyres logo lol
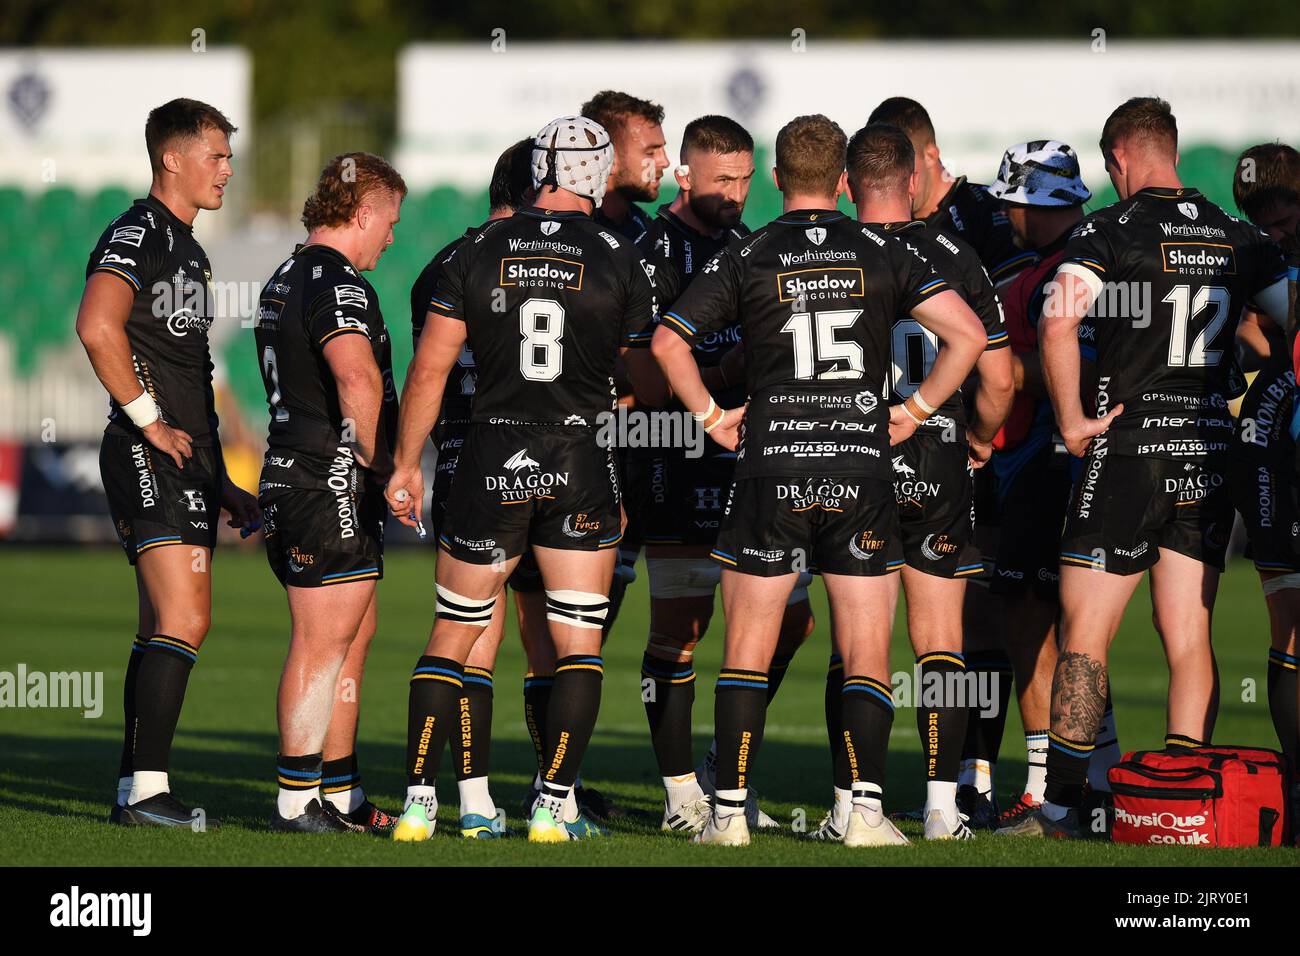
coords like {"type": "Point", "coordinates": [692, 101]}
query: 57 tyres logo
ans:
{"type": "Point", "coordinates": [865, 545]}
{"type": "Point", "coordinates": [580, 524]}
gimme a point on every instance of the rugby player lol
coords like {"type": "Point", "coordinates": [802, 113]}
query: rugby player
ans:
{"type": "Point", "coordinates": [963, 208]}
{"type": "Point", "coordinates": [954, 205]}
{"type": "Point", "coordinates": [325, 357]}
{"type": "Point", "coordinates": [686, 493]}
{"type": "Point", "coordinates": [144, 321]}
{"type": "Point", "coordinates": [511, 188]}
{"type": "Point", "coordinates": [1266, 188]}
{"type": "Point", "coordinates": [932, 477]}
{"type": "Point", "coordinates": [640, 158]}
{"type": "Point", "coordinates": [1165, 274]}
{"type": "Point", "coordinates": [815, 294]}
{"type": "Point", "coordinates": [531, 472]}
{"type": "Point", "coordinates": [1041, 190]}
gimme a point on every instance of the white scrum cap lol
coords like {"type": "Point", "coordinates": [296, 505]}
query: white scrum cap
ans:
{"type": "Point", "coordinates": [575, 154]}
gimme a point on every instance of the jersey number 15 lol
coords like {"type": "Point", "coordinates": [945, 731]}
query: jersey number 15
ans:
{"type": "Point", "coordinates": [815, 344]}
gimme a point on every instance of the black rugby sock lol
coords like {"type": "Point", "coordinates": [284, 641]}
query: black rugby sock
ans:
{"type": "Point", "coordinates": [126, 766]}
{"type": "Point", "coordinates": [159, 694]}
{"type": "Point", "coordinates": [984, 732]}
{"type": "Point", "coordinates": [436, 685]}
{"type": "Point", "coordinates": [1282, 704]}
{"type": "Point", "coordinates": [537, 701]}
{"type": "Point", "coordinates": [669, 697]}
{"type": "Point", "coordinates": [475, 724]}
{"type": "Point", "coordinates": [868, 717]}
{"type": "Point", "coordinates": [575, 702]}
{"type": "Point", "coordinates": [940, 715]}
{"type": "Point", "coordinates": [833, 704]}
{"type": "Point", "coordinates": [776, 673]}
{"type": "Point", "coordinates": [740, 712]}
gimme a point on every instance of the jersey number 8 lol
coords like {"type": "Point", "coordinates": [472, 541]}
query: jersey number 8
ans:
{"type": "Point", "coordinates": [541, 353]}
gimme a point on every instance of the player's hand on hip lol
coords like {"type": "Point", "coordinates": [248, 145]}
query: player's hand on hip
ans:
{"type": "Point", "coordinates": [242, 506]}
{"type": "Point", "coordinates": [727, 432]}
{"type": "Point", "coordinates": [170, 441]}
{"type": "Point", "coordinates": [1079, 437]}
{"type": "Point", "coordinates": [405, 495]}
{"type": "Point", "coordinates": [980, 452]}
{"type": "Point", "coordinates": [901, 425]}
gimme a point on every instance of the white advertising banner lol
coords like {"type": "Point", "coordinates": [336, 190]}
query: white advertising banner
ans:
{"type": "Point", "coordinates": [461, 104]}
{"type": "Point", "coordinates": [76, 118]}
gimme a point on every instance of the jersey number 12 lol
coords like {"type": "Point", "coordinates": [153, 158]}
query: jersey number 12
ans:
{"type": "Point", "coordinates": [1186, 306]}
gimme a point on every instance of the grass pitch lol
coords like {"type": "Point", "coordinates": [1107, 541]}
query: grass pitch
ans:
{"type": "Point", "coordinates": [72, 609]}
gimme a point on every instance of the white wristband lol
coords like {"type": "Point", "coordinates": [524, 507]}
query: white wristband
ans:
{"type": "Point", "coordinates": [908, 412]}
{"type": "Point", "coordinates": [703, 416]}
{"type": "Point", "coordinates": [143, 411]}
{"type": "Point", "coordinates": [922, 404]}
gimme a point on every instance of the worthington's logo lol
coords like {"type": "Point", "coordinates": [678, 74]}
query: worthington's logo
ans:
{"type": "Point", "coordinates": [1184, 229]}
{"type": "Point", "coordinates": [78, 690]}
{"type": "Point", "coordinates": [544, 245]}
{"type": "Point", "coordinates": [815, 255]}
{"type": "Point", "coordinates": [76, 909]}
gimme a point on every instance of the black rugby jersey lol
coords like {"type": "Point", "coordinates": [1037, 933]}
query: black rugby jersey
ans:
{"type": "Point", "coordinates": [548, 299]}
{"type": "Point", "coordinates": [816, 294]}
{"type": "Point", "coordinates": [676, 253]}
{"type": "Point", "coordinates": [913, 348]}
{"type": "Point", "coordinates": [1172, 273]}
{"type": "Point", "coordinates": [1264, 421]}
{"type": "Point", "coordinates": [156, 254]}
{"type": "Point", "coordinates": [967, 210]}
{"type": "Point", "coordinates": [459, 391]}
{"type": "Point", "coordinates": [634, 226]}
{"type": "Point", "coordinates": [314, 297]}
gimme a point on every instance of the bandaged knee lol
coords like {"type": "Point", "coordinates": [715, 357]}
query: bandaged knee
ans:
{"type": "Point", "coordinates": [666, 648]}
{"type": "Point", "coordinates": [1282, 583]}
{"type": "Point", "coordinates": [683, 577]}
{"type": "Point", "coordinates": [577, 608]}
{"type": "Point", "coordinates": [451, 606]}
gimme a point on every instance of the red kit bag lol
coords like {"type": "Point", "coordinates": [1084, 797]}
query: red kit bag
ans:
{"type": "Point", "coordinates": [1207, 796]}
